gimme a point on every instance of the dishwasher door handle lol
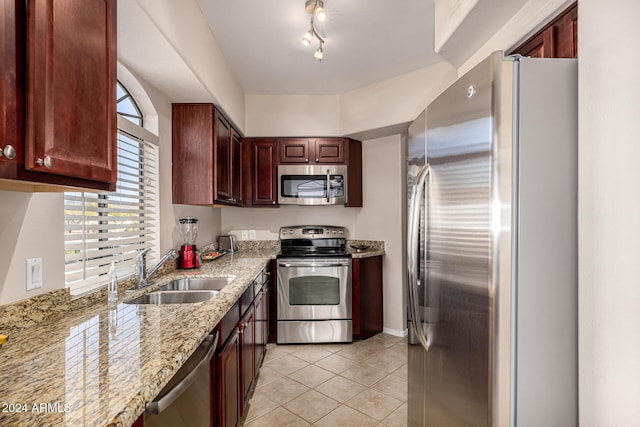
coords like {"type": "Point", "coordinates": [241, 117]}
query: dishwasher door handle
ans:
{"type": "Point", "coordinates": [159, 405]}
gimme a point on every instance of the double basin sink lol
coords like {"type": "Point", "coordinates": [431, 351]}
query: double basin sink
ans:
{"type": "Point", "coordinates": [184, 291]}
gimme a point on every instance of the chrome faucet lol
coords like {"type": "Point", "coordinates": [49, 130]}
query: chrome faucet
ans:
{"type": "Point", "coordinates": [141, 266]}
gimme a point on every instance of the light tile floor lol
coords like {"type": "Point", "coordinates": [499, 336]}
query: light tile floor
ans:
{"type": "Point", "coordinates": [332, 385]}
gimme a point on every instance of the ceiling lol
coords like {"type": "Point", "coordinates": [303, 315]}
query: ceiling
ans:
{"type": "Point", "coordinates": [366, 41]}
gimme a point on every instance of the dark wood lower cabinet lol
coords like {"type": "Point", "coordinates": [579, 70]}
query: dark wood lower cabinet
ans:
{"type": "Point", "coordinates": [367, 297]}
{"type": "Point", "coordinates": [239, 357]}
{"type": "Point", "coordinates": [227, 363]}
{"type": "Point", "coordinates": [247, 328]}
{"type": "Point", "coordinates": [273, 302]}
{"type": "Point", "coordinates": [262, 325]}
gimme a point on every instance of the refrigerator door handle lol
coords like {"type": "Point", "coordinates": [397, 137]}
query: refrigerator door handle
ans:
{"type": "Point", "coordinates": [413, 267]}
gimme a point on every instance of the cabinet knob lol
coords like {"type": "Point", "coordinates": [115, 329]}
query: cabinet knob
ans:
{"type": "Point", "coordinates": [317, 160]}
{"type": "Point", "coordinates": [47, 162]}
{"type": "Point", "coordinates": [306, 160]}
{"type": "Point", "coordinates": [8, 151]}
{"type": "Point", "coordinates": [273, 202]}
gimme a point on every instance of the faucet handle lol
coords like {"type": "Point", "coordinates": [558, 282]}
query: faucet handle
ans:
{"type": "Point", "coordinates": [142, 253]}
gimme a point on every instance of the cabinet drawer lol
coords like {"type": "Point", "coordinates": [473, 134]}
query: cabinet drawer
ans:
{"type": "Point", "coordinates": [229, 324]}
{"type": "Point", "coordinates": [246, 300]}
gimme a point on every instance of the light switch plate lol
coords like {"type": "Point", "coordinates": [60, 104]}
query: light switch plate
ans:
{"type": "Point", "coordinates": [34, 273]}
{"type": "Point", "coordinates": [252, 234]}
{"type": "Point", "coordinates": [244, 235]}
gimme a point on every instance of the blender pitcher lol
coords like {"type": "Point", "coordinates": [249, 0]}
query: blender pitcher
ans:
{"type": "Point", "coordinates": [189, 256]}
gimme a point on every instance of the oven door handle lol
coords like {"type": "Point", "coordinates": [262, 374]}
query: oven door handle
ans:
{"type": "Point", "coordinates": [307, 264]}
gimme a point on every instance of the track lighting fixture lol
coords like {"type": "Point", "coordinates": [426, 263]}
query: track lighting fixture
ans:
{"type": "Point", "coordinates": [316, 9]}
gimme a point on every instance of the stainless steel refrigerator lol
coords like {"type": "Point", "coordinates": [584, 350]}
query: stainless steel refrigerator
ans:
{"type": "Point", "coordinates": [492, 249]}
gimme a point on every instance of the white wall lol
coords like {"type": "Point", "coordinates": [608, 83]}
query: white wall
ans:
{"type": "Point", "coordinates": [383, 216]}
{"type": "Point", "coordinates": [292, 115]}
{"type": "Point", "coordinates": [397, 100]}
{"type": "Point", "coordinates": [382, 104]}
{"type": "Point", "coordinates": [267, 221]}
{"type": "Point", "coordinates": [31, 226]}
{"type": "Point", "coordinates": [609, 213]}
{"type": "Point", "coordinates": [182, 24]}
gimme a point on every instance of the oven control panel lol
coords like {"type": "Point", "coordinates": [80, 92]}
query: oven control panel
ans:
{"type": "Point", "coordinates": [312, 232]}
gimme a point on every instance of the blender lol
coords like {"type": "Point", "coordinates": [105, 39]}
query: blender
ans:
{"type": "Point", "coordinates": [188, 256]}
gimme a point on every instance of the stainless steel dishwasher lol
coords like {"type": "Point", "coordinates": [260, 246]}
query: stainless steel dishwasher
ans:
{"type": "Point", "coordinates": [186, 399]}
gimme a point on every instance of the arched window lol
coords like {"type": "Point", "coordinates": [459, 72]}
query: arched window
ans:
{"type": "Point", "coordinates": [127, 106]}
{"type": "Point", "coordinates": [101, 228]}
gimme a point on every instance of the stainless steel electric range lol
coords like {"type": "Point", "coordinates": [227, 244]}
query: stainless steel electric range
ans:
{"type": "Point", "coordinates": [314, 285]}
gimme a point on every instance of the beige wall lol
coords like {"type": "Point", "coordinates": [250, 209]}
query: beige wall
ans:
{"type": "Point", "coordinates": [293, 115]}
{"type": "Point", "coordinates": [383, 218]}
{"type": "Point", "coordinates": [184, 27]}
{"type": "Point", "coordinates": [386, 103]}
{"type": "Point", "coordinates": [31, 226]}
{"type": "Point", "coordinates": [609, 213]}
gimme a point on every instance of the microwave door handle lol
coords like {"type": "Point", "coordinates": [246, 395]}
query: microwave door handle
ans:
{"type": "Point", "coordinates": [328, 186]}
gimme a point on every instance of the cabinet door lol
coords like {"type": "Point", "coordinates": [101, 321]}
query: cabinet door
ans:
{"type": "Point", "coordinates": [558, 39]}
{"type": "Point", "coordinates": [264, 165]}
{"type": "Point", "coordinates": [367, 296]}
{"type": "Point", "coordinates": [247, 355]}
{"type": "Point", "coordinates": [222, 158]}
{"type": "Point", "coordinates": [192, 153]}
{"type": "Point", "coordinates": [330, 150]}
{"type": "Point", "coordinates": [236, 168]}
{"type": "Point", "coordinates": [227, 380]}
{"type": "Point", "coordinates": [262, 325]}
{"type": "Point", "coordinates": [273, 303]}
{"type": "Point", "coordinates": [12, 46]}
{"type": "Point", "coordinates": [71, 81]}
{"type": "Point", "coordinates": [295, 151]}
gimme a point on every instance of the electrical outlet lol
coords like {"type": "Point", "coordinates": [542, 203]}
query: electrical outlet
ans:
{"type": "Point", "coordinates": [252, 234]}
{"type": "Point", "coordinates": [244, 235]}
{"type": "Point", "coordinates": [34, 273]}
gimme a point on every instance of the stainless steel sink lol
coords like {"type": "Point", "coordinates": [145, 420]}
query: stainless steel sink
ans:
{"type": "Point", "coordinates": [173, 297]}
{"type": "Point", "coordinates": [197, 284]}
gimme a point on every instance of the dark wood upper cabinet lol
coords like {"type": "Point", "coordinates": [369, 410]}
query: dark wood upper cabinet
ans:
{"type": "Point", "coordinates": [310, 151]}
{"type": "Point", "coordinates": [71, 83]}
{"type": "Point", "coordinates": [236, 168]}
{"type": "Point", "coordinates": [329, 150]}
{"type": "Point", "coordinates": [206, 155]}
{"type": "Point", "coordinates": [61, 118]}
{"type": "Point", "coordinates": [12, 54]}
{"type": "Point", "coordinates": [558, 39]}
{"type": "Point", "coordinates": [222, 156]}
{"type": "Point", "coordinates": [295, 150]}
{"type": "Point", "coordinates": [263, 155]}
{"type": "Point", "coordinates": [264, 172]}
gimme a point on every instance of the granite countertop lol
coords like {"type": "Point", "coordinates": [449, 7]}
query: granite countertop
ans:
{"type": "Point", "coordinates": [103, 364]}
{"type": "Point", "coordinates": [365, 248]}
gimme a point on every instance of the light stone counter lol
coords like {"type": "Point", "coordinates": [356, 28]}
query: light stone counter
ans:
{"type": "Point", "coordinates": [101, 365]}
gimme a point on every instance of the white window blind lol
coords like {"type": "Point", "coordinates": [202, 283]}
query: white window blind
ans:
{"type": "Point", "coordinates": [105, 227]}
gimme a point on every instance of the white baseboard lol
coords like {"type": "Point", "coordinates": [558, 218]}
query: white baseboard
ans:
{"type": "Point", "coordinates": [395, 332]}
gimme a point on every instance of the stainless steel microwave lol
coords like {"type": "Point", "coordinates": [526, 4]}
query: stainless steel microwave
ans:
{"type": "Point", "coordinates": [312, 184]}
